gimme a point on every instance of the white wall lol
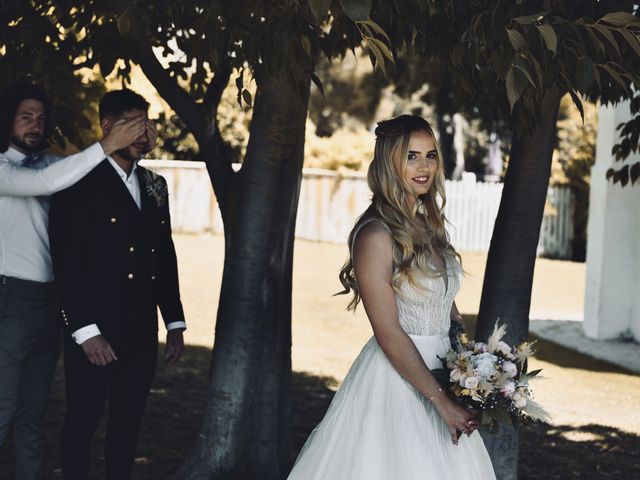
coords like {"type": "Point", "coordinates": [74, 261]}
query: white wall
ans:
{"type": "Point", "coordinates": [612, 296]}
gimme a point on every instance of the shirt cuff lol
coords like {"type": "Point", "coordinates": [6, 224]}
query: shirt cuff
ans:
{"type": "Point", "coordinates": [85, 333]}
{"type": "Point", "coordinates": [98, 149]}
{"type": "Point", "coordinates": [176, 325]}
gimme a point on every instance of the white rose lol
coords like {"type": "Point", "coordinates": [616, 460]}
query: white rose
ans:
{"type": "Point", "coordinates": [521, 402]}
{"type": "Point", "coordinates": [462, 379]}
{"type": "Point", "coordinates": [510, 368]}
{"type": "Point", "coordinates": [479, 357]}
{"type": "Point", "coordinates": [455, 375]}
{"type": "Point", "coordinates": [485, 366]}
{"type": "Point", "coordinates": [471, 383]}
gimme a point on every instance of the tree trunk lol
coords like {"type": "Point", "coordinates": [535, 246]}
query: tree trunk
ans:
{"type": "Point", "coordinates": [506, 292]}
{"type": "Point", "coordinates": [245, 432]}
{"type": "Point", "coordinates": [445, 131]}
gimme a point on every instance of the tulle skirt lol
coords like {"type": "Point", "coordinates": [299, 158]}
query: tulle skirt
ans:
{"type": "Point", "coordinates": [379, 427]}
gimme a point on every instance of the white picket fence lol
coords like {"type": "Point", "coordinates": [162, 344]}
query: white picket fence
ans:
{"type": "Point", "coordinates": [331, 201]}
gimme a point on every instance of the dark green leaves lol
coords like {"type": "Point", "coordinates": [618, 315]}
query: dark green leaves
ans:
{"type": "Point", "coordinates": [584, 74]}
{"type": "Point", "coordinates": [373, 28]}
{"type": "Point", "coordinates": [107, 64]}
{"type": "Point", "coordinates": [549, 37]}
{"type": "Point", "coordinates": [317, 82]}
{"type": "Point", "coordinates": [319, 8]}
{"type": "Point", "coordinates": [578, 103]}
{"type": "Point", "coordinates": [621, 19]}
{"type": "Point", "coordinates": [124, 23]}
{"type": "Point", "coordinates": [621, 175]}
{"type": "Point", "coordinates": [243, 93]}
{"type": "Point", "coordinates": [538, 18]}
{"type": "Point", "coordinates": [631, 39]}
{"type": "Point", "coordinates": [380, 50]}
{"type": "Point", "coordinates": [357, 10]}
{"type": "Point", "coordinates": [630, 133]}
{"type": "Point", "coordinates": [635, 172]}
{"type": "Point", "coordinates": [606, 33]}
{"type": "Point", "coordinates": [516, 39]}
{"type": "Point", "coordinates": [246, 96]}
{"type": "Point", "coordinates": [610, 68]}
{"type": "Point", "coordinates": [516, 82]}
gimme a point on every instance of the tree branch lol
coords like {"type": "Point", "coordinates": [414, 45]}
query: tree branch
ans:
{"type": "Point", "coordinates": [200, 119]}
{"type": "Point", "coordinates": [217, 152]}
{"type": "Point", "coordinates": [216, 88]}
{"type": "Point", "coordinates": [187, 109]}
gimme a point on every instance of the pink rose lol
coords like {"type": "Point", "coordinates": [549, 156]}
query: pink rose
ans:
{"type": "Point", "coordinates": [480, 347]}
{"type": "Point", "coordinates": [508, 389]}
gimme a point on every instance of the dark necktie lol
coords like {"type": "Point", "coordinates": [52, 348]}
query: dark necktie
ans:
{"type": "Point", "coordinates": [32, 159]}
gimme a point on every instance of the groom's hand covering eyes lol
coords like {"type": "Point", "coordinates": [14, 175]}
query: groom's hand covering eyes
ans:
{"type": "Point", "coordinates": [152, 136]}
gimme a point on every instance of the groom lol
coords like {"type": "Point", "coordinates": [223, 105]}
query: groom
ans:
{"type": "Point", "coordinates": [114, 263]}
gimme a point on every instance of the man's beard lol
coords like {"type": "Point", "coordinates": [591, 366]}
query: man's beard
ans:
{"type": "Point", "coordinates": [126, 155]}
{"type": "Point", "coordinates": [25, 147]}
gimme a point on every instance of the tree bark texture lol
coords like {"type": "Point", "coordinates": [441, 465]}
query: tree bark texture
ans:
{"type": "Point", "coordinates": [506, 291]}
{"type": "Point", "coordinates": [446, 129]}
{"type": "Point", "coordinates": [245, 432]}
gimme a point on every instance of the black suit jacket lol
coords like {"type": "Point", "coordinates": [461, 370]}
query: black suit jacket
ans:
{"type": "Point", "coordinates": [113, 262]}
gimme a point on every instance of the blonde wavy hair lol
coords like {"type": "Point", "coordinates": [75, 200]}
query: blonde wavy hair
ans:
{"type": "Point", "coordinates": [414, 242]}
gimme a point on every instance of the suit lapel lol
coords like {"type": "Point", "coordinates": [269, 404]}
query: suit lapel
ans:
{"type": "Point", "coordinates": [124, 195]}
{"type": "Point", "coordinates": [145, 200]}
{"type": "Point", "coordinates": [149, 206]}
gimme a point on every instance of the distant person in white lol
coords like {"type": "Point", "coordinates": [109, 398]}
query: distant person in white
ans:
{"type": "Point", "coordinates": [29, 310]}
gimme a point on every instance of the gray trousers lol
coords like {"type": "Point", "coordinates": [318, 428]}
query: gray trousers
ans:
{"type": "Point", "coordinates": [29, 348]}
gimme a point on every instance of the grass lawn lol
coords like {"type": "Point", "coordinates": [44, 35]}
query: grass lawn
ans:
{"type": "Point", "coordinates": [596, 426]}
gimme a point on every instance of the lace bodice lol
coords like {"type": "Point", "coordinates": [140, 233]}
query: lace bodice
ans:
{"type": "Point", "coordinates": [425, 309]}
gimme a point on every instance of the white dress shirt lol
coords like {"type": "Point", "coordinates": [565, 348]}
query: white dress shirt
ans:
{"type": "Point", "coordinates": [133, 185]}
{"type": "Point", "coordinates": [130, 181]}
{"type": "Point", "coordinates": [24, 208]}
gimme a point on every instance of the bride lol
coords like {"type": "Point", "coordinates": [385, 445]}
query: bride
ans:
{"type": "Point", "coordinates": [390, 420]}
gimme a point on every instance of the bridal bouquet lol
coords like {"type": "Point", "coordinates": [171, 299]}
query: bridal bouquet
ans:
{"type": "Point", "coordinates": [492, 377]}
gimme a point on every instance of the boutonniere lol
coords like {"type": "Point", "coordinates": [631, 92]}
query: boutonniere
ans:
{"type": "Point", "coordinates": [156, 187]}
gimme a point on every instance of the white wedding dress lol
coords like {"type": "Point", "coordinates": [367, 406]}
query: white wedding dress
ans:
{"type": "Point", "coordinates": [378, 426]}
